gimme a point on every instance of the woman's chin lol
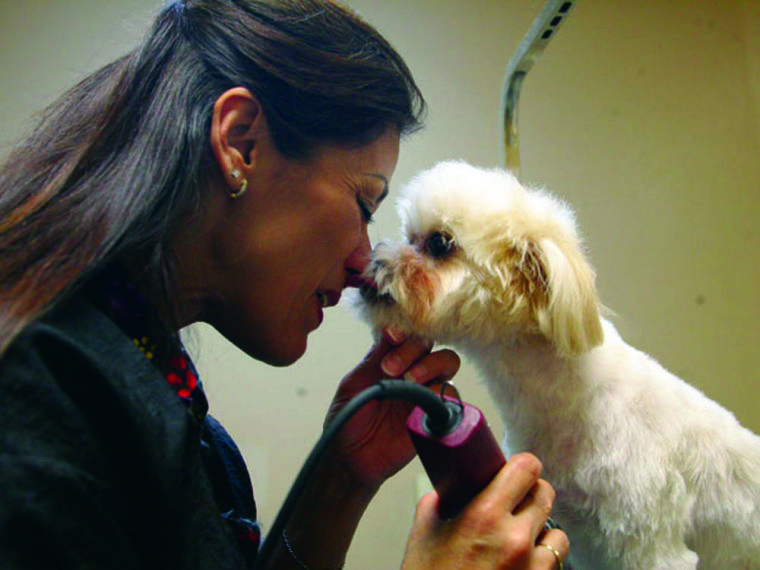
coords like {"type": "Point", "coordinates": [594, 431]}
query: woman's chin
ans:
{"type": "Point", "coordinates": [284, 354]}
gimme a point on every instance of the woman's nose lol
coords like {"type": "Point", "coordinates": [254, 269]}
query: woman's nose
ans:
{"type": "Point", "coordinates": [358, 260]}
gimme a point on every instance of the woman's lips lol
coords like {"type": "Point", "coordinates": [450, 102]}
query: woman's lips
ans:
{"type": "Point", "coordinates": [325, 299]}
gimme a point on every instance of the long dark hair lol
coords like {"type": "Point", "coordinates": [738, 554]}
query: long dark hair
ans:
{"type": "Point", "coordinates": [117, 164]}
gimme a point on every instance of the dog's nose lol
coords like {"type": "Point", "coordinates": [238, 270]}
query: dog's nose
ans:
{"type": "Point", "coordinates": [380, 247]}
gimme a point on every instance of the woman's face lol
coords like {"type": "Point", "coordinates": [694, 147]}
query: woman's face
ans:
{"type": "Point", "coordinates": [286, 249]}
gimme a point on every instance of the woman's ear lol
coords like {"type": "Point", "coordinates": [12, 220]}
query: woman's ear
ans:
{"type": "Point", "coordinates": [237, 125]}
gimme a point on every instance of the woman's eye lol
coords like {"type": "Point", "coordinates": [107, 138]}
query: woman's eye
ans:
{"type": "Point", "coordinates": [366, 212]}
{"type": "Point", "coordinates": [439, 244]}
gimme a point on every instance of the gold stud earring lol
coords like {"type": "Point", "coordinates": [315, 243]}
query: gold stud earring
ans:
{"type": "Point", "coordinates": [235, 174]}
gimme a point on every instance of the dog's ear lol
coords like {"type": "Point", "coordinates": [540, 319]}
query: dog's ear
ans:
{"type": "Point", "coordinates": [567, 311]}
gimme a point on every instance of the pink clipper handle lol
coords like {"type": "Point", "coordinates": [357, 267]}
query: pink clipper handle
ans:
{"type": "Point", "coordinates": [460, 464]}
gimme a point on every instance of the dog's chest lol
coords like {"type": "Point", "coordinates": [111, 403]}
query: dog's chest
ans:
{"type": "Point", "coordinates": [542, 421]}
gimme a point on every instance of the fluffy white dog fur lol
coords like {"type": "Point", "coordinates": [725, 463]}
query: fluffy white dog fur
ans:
{"type": "Point", "coordinates": [649, 473]}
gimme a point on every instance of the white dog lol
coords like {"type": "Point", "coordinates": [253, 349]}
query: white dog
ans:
{"type": "Point", "coordinates": [649, 473]}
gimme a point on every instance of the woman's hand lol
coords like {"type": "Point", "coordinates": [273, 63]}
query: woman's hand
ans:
{"type": "Point", "coordinates": [503, 527]}
{"type": "Point", "coordinates": [374, 444]}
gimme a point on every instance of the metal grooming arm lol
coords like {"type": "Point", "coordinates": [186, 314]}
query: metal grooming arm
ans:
{"type": "Point", "coordinates": [544, 28]}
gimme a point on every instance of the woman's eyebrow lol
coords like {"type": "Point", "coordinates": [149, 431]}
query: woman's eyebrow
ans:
{"type": "Point", "coordinates": [385, 185]}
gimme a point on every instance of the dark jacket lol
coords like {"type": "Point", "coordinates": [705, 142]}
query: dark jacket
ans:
{"type": "Point", "coordinates": [101, 463]}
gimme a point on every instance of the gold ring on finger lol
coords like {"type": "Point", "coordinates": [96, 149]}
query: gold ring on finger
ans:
{"type": "Point", "coordinates": [557, 555]}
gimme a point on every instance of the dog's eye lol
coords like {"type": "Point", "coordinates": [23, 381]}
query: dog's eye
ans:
{"type": "Point", "coordinates": [439, 244]}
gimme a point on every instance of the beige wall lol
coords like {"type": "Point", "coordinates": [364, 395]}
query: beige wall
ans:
{"type": "Point", "coordinates": [644, 115]}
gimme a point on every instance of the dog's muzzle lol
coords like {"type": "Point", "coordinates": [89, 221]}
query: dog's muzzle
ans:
{"type": "Point", "coordinates": [370, 294]}
{"type": "Point", "coordinates": [370, 288]}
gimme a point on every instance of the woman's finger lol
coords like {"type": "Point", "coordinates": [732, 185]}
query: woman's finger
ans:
{"type": "Point", "coordinates": [513, 482]}
{"type": "Point", "coordinates": [536, 507]}
{"type": "Point", "coordinates": [398, 360]}
{"type": "Point", "coordinates": [438, 366]}
{"type": "Point", "coordinates": [426, 512]}
{"type": "Point", "coordinates": [411, 357]}
{"type": "Point", "coordinates": [393, 335]}
{"type": "Point", "coordinates": [552, 549]}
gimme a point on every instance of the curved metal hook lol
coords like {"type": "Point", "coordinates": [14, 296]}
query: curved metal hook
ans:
{"type": "Point", "coordinates": [544, 28]}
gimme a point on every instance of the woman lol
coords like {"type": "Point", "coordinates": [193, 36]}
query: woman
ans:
{"type": "Point", "coordinates": [224, 171]}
